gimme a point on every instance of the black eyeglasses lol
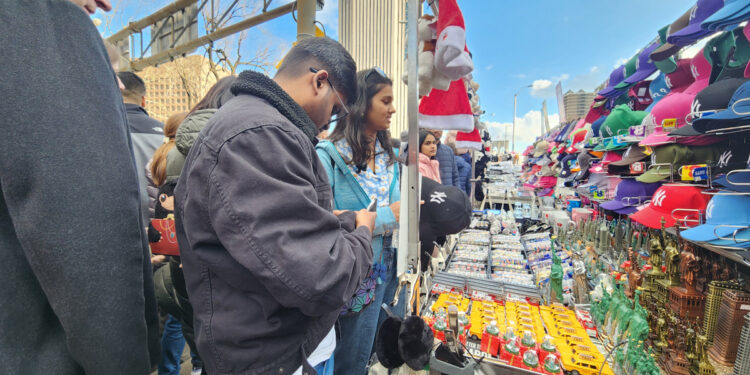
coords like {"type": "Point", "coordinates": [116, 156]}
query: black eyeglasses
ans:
{"type": "Point", "coordinates": [375, 70]}
{"type": "Point", "coordinates": [335, 111]}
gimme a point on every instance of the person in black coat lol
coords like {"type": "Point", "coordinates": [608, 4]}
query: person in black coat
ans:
{"type": "Point", "coordinates": [78, 294]}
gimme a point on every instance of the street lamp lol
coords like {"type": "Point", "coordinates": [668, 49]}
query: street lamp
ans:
{"type": "Point", "coordinates": [515, 100]}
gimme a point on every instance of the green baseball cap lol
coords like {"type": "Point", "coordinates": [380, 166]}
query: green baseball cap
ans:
{"type": "Point", "coordinates": [728, 54]}
{"type": "Point", "coordinates": [630, 68]}
{"type": "Point", "coordinates": [678, 155]}
{"type": "Point", "coordinates": [602, 146]}
{"type": "Point", "coordinates": [620, 120]}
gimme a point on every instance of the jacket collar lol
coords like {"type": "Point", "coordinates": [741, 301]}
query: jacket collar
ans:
{"type": "Point", "coordinates": [135, 108]}
{"type": "Point", "coordinates": [259, 85]}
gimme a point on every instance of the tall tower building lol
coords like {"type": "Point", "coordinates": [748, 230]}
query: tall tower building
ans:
{"type": "Point", "coordinates": [577, 104]}
{"type": "Point", "coordinates": [373, 33]}
{"type": "Point", "coordinates": [178, 85]}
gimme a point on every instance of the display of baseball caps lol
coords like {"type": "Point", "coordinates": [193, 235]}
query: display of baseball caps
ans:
{"type": "Point", "coordinates": [668, 130]}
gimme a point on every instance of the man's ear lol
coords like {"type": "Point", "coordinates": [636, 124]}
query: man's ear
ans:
{"type": "Point", "coordinates": [319, 80]}
{"type": "Point", "coordinates": [143, 101]}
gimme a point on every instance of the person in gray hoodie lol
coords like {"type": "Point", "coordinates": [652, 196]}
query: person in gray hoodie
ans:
{"type": "Point", "coordinates": [78, 294]}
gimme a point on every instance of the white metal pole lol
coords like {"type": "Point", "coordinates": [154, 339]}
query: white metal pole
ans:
{"type": "Point", "coordinates": [513, 141]}
{"type": "Point", "coordinates": [413, 110]}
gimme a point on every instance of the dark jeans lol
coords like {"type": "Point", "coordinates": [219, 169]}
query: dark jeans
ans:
{"type": "Point", "coordinates": [354, 348]}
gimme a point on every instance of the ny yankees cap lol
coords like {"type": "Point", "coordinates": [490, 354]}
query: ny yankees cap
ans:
{"type": "Point", "coordinates": [675, 203]}
{"type": "Point", "coordinates": [724, 214]}
{"type": "Point", "coordinates": [715, 97]}
{"type": "Point", "coordinates": [693, 31]}
{"type": "Point", "coordinates": [446, 210]}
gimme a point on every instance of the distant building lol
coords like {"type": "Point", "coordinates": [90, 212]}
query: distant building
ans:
{"type": "Point", "coordinates": [373, 33]}
{"type": "Point", "coordinates": [577, 104]}
{"type": "Point", "coordinates": [178, 85]}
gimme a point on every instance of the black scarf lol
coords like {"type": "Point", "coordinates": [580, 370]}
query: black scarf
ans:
{"type": "Point", "coordinates": [257, 84]}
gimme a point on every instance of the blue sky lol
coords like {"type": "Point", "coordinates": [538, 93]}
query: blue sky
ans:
{"type": "Point", "coordinates": [514, 44]}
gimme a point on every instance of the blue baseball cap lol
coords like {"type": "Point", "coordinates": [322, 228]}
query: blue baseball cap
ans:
{"type": "Point", "coordinates": [723, 214]}
{"type": "Point", "coordinates": [737, 114]}
{"type": "Point", "coordinates": [733, 12]}
{"type": "Point", "coordinates": [736, 181]}
{"type": "Point", "coordinates": [597, 125]}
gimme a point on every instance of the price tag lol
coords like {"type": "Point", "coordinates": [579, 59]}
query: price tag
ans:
{"type": "Point", "coordinates": [638, 131]}
{"type": "Point", "coordinates": [700, 174]}
{"type": "Point", "coordinates": [594, 141]}
{"type": "Point", "coordinates": [637, 167]}
{"type": "Point", "coordinates": [648, 150]}
{"type": "Point", "coordinates": [669, 123]}
{"type": "Point", "coordinates": [592, 189]}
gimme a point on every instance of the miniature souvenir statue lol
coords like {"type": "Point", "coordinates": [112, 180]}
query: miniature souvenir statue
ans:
{"type": "Point", "coordinates": [655, 248]}
{"type": "Point", "coordinates": [556, 277]}
{"type": "Point", "coordinates": [673, 262]}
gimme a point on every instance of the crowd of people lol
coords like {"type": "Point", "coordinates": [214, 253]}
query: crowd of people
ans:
{"type": "Point", "coordinates": [282, 268]}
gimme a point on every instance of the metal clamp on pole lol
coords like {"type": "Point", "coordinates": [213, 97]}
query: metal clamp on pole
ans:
{"type": "Point", "coordinates": [697, 220]}
{"type": "Point", "coordinates": [734, 233]}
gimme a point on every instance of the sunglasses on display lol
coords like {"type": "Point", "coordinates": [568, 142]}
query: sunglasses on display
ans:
{"type": "Point", "coordinates": [336, 110]}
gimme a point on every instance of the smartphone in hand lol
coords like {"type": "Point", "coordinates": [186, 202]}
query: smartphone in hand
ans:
{"type": "Point", "coordinates": [373, 205]}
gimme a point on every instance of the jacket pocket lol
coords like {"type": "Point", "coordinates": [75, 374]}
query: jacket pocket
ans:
{"type": "Point", "coordinates": [324, 195]}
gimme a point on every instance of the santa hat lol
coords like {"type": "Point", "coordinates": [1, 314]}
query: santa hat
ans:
{"type": "Point", "coordinates": [447, 110]}
{"type": "Point", "coordinates": [470, 140]}
{"type": "Point", "coordinates": [451, 55]}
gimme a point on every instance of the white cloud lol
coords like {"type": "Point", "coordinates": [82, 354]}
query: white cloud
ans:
{"type": "Point", "coordinates": [489, 67]}
{"type": "Point", "coordinates": [528, 128]}
{"type": "Point", "coordinates": [587, 81]}
{"type": "Point", "coordinates": [542, 88]}
{"type": "Point", "coordinates": [561, 77]}
{"type": "Point", "coordinates": [329, 17]}
{"type": "Point", "coordinates": [519, 75]}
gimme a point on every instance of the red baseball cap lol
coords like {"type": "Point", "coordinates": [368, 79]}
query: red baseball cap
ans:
{"type": "Point", "coordinates": [675, 203]}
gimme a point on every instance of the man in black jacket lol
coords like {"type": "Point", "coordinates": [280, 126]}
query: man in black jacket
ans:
{"type": "Point", "coordinates": [146, 133]}
{"type": "Point", "coordinates": [268, 265]}
{"type": "Point", "coordinates": [77, 295]}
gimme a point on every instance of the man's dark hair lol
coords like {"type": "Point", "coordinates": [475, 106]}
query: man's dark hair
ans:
{"type": "Point", "coordinates": [324, 54]}
{"type": "Point", "coordinates": [135, 88]}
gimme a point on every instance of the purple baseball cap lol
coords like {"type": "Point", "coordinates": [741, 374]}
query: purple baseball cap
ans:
{"type": "Point", "coordinates": [615, 77]}
{"type": "Point", "coordinates": [700, 11]}
{"type": "Point", "coordinates": [644, 66]}
{"type": "Point", "coordinates": [630, 194]}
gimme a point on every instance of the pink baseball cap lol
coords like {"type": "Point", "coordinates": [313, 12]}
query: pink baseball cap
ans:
{"type": "Point", "coordinates": [701, 71]}
{"type": "Point", "coordinates": [678, 104]}
{"type": "Point", "coordinates": [610, 157]}
{"type": "Point", "coordinates": [674, 106]}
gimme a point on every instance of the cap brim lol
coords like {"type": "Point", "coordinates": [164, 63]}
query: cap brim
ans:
{"type": "Point", "coordinates": [613, 205]}
{"type": "Point", "coordinates": [640, 75]}
{"type": "Point", "coordinates": [726, 16]}
{"type": "Point", "coordinates": [719, 120]}
{"type": "Point", "coordinates": [651, 176]}
{"type": "Point", "coordinates": [741, 178]}
{"type": "Point", "coordinates": [623, 85]}
{"type": "Point", "coordinates": [707, 232]}
{"type": "Point", "coordinates": [607, 91]}
{"type": "Point", "coordinates": [652, 218]}
{"type": "Point", "coordinates": [743, 234]}
{"type": "Point", "coordinates": [657, 140]}
{"type": "Point", "coordinates": [685, 131]}
{"type": "Point", "coordinates": [666, 66]}
{"type": "Point", "coordinates": [688, 35]}
{"type": "Point", "coordinates": [627, 210]}
{"type": "Point", "coordinates": [664, 52]}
